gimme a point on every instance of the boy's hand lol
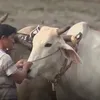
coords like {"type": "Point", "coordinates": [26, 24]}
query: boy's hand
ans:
{"type": "Point", "coordinates": [20, 63]}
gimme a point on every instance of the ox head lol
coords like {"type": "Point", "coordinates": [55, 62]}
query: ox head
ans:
{"type": "Point", "coordinates": [49, 51]}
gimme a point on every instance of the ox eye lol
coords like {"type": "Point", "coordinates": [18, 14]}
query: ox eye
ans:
{"type": "Point", "coordinates": [48, 45]}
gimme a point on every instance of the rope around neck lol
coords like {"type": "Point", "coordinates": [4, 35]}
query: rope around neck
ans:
{"type": "Point", "coordinates": [47, 55]}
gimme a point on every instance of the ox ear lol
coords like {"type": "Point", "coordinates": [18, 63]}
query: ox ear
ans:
{"type": "Point", "coordinates": [70, 53]}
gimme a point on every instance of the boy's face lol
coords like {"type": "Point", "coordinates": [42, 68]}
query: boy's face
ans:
{"type": "Point", "coordinates": [8, 42]}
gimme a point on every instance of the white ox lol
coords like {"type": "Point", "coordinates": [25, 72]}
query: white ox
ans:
{"type": "Point", "coordinates": [37, 88]}
{"type": "Point", "coordinates": [81, 81]}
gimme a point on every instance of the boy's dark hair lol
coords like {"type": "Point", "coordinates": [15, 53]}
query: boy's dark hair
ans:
{"type": "Point", "coordinates": [7, 30]}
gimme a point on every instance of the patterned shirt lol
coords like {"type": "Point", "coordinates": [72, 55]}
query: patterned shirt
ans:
{"type": "Point", "coordinates": [7, 85]}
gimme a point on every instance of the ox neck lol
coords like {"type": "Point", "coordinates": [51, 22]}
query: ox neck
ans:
{"type": "Point", "coordinates": [55, 68]}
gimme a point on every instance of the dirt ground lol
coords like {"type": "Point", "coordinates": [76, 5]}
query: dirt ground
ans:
{"type": "Point", "coordinates": [51, 12]}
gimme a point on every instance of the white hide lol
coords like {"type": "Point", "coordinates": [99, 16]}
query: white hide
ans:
{"type": "Point", "coordinates": [84, 79]}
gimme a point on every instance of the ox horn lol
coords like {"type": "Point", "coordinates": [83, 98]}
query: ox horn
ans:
{"type": "Point", "coordinates": [71, 38]}
{"type": "Point", "coordinates": [62, 30]}
{"type": "Point", "coordinates": [67, 38]}
{"type": "Point", "coordinates": [3, 18]}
